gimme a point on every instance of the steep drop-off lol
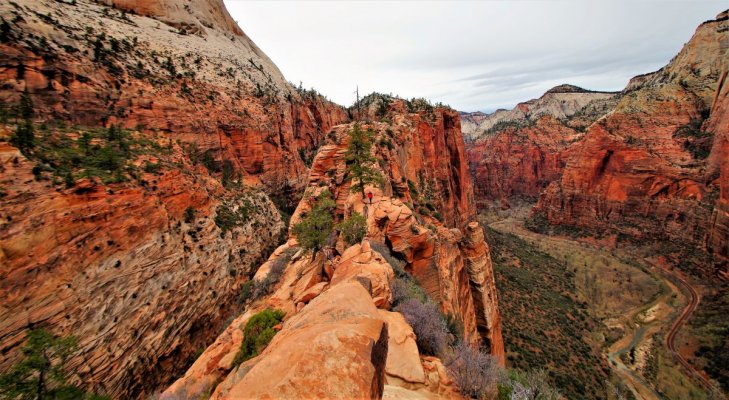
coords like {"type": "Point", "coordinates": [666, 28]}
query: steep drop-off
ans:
{"type": "Point", "coordinates": [338, 307]}
{"type": "Point", "coordinates": [145, 265]}
{"type": "Point", "coordinates": [655, 165]}
{"type": "Point", "coordinates": [518, 153]}
{"type": "Point", "coordinates": [519, 162]}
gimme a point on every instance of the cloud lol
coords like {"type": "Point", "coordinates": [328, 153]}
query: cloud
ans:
{"type": "Point", "coordinates": [473, 55]}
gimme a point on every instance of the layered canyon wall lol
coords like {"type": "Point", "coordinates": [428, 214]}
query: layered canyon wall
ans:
{"type": "Point", "coordinates": [144, 266]}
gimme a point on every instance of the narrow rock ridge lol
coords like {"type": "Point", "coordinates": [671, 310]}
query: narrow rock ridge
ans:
{"type": "Point", "coordinates": [344, 301]}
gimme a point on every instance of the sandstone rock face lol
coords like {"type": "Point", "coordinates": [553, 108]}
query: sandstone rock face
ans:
{"type": "Point", "coordinates": [403, 358]}
{"type": "Point", "coordinates": [339, 338]}
{"type": "Point", "coordinates": [433, 252]}
{"type": "Point", "coordinates": [560, 102]}
{"type": "Point", "coordinates": [643, 169]}
{"type": "Point", "coordinates": [336, 347]}
{"type": "Point", "coordinates": [117, 265]}
{"type": "Point", "coordinates": [210, 86]}
{"type": "Point", "coordinates": [718, 164]}
{"type": "Point", "coordinates": [361, 262]}
{"type": "Point", "coordinates": [477, 257]}
{"type": "Point", "coordinates": [520, 162]}
{"type": "Point", "coordinates": [121, 268]}
{"type": "Point", "coordinates": [438, 384]}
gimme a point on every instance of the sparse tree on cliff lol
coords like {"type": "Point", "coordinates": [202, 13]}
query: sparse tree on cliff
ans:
{"type": "Point", "coordinates": [314, 229]}
{"type": "Point", "coordinates": [360, 162]}
{"type": "Point", "coordinates": [41, 373]}
{"type": "Point", "coordinates": [24, 137]}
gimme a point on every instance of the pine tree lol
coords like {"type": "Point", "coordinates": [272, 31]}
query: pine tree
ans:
{"type": "Point", "coordinates": [360, 161]}
{"type": "Point", "coordinates": [24, 137]}
{"type": "Point", "coordinates": [40, 374]}
{"type": "Point", "coordinates": [26, 110]}
{"type": "Point", "coordinates": [314, 229]}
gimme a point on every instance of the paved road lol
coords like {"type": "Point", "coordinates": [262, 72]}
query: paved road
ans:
{"type": "Point", "coordinates": [679, 322]}
{"type": "Point", "coordinates": [637, 383]}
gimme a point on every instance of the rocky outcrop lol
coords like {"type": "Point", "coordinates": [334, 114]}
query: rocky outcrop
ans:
{"type": "Point", "coordinates": [335, 347]}
{"type": "Point", "coordinates": [329, 297]}
{"type": "Point", "coordinates": [561, 102]}
{"type": "Point", "coordinates": [643, 169]}
{"type": "Point", "coordinates": [422, 155]}
{"type": "Point", "coordinates": [149, 69]}
{"type": "Point", "coordinates": [434, 253]}
{"type": "Point", "coordinates": [477, 258]}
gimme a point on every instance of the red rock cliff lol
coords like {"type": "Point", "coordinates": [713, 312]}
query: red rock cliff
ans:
{"type": "Point", "coordinates": [139, 270]}
{"type": "Point", "coordinates": [519, 162]}
{"type": "Point", "coordinates": [330, 318]}
{"type": "Point", "coordinates": [643, 169]}
{"type": "Point", "coordinates": [90, 64]}
{"type": "Point", "coordinates": [123, 269]}
{"type": "Point", "coordinates": [517, 153]}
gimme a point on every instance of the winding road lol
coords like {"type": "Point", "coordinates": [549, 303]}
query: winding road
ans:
{"type": "Point", "coordinates": [636, 383]}
{"type": "Point", "coordinates": [693, 303]}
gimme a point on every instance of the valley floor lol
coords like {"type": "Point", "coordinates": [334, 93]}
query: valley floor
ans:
{"type": "Point", "coordinates": [640, 305]}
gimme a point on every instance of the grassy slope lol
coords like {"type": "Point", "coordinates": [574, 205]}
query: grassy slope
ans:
{"type": "Point", "coordinates": [543, 323]}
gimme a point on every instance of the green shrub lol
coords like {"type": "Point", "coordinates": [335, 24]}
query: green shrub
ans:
{"type": "Point", "coordinates": [152, 168]}
{"type": "Point", "coordinates": [353, 229]}
{"type": "Point", "coordinates": [257, 334]}
{"type": "Point", "coordinates": [24, 137]}
{"type": "Point", "coordinates": [314, 229]}
{"type": "Point", "coordinates": [227, 218]}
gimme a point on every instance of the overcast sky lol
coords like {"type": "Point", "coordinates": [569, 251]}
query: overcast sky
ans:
{"type": "Point", "coordinates": [472, 55]}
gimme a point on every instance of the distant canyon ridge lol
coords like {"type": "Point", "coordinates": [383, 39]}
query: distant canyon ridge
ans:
{"type": "Point", "coordinates": [650, 161]}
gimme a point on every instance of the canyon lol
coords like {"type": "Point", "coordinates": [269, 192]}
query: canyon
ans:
{"type": "Point", "coordinates": [642, 174]}
{"type": "Point", "coordinates": [144, 271]}
{"type": "Point", "coordinates": [650, 159]}
{"type": "Point", "coordinates": [517, 153]}
{"type": "Point", "coordinates": [154, 216]}
{"type": "Point", "coordinates": [449, 259]}
{"type": "Point", "coordinates": [144, 256]}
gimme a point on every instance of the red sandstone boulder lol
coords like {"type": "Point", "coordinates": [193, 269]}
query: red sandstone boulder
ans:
{"type": "Point", "coordinates": [336, 347]}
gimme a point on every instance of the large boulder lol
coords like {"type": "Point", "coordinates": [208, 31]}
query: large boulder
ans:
{"type": "Point", "coordinates": [336, 347]}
